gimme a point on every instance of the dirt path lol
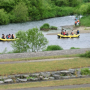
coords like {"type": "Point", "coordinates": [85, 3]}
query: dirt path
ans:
{"type": "Point", "coordinates": [56, 87]}
{"type": "Point", "coordinates": [43, 60]}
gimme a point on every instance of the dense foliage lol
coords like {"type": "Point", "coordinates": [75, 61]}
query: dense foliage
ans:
{"type": "Point", "coordinates": [31, 40]}
{"type": "Point", "coordinates": [12, 11]}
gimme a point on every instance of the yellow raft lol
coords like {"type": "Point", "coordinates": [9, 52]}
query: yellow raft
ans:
{"type": "Point", "coordinates": [68, 36]}
{"type": "Point", "coordinates": [8, 39]}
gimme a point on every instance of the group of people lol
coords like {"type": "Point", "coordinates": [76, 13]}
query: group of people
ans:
{"type": "Point", "coordinates": [66, 33]}
{"type": "Point", "coordinates": [9, 36]}
{"type": "Point", "coordinates": [77, 22]}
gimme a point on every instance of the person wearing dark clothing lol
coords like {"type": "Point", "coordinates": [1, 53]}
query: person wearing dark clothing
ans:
{"type": "Point", "coordinates": [77, 32]}
{"type": "Point", "coordinates": [3, 36]}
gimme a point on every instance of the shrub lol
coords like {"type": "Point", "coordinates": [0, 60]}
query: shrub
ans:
{"type": "Point", "coordinates": [85, 71]}
{"type": "Point", "coordinates": [45, 26]}
{"type": "Point", "coordinates": [87, 54]}
{"type": "Point", "coordinates": [53, 47]}
{"type": "Point", "coordinates": [74, 48]}
{"type": "Point", "coordinates": [53, 28]}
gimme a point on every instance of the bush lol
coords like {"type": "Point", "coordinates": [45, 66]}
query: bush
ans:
{"type": "Point", "coordinates": [53, 28]}
{"type": "Point", "coordinates": [87, 54]}
{"type": "Point", "coordinates": [74, 48]}
{"type": "Point", "coordinates": [53, 47]}
{"type": "Point", "coordinates": [85, 71]}
{"type": "Point", "coordinates": [45, 26]}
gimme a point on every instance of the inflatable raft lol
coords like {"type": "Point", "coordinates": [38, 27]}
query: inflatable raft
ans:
{"type": "Point", "coordinates": [8, 39]}
{"type": "Point", "coordinates": [68, 36]}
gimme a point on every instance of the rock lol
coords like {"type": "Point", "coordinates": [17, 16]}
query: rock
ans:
{"type": "Point", "coordinates": [8, 81]}
{"type": "Point", "coordinates": [35, 75]}
{"type": "Point", "coordinates": [17, 76]}
{"type": "Point", "coordinates": [21, 80]}
{"type": "Point", "coordinates": [11, 76]}
{"type": "Point", "coordinates": [65, 73]}
{"type": "Point", "coordinates": [56, 72]}
{"type": "Point", "coordinates": [56, 76]}
{"type": "Point", "coordinates": [5, 77]}
{"type": "Point", "coordinates": [1, 82]}
{"type": "Point", "coordinates": [45, 78]}
{"type": "Point", "coordinates": [45, 74]}
{"type": "Point", "coordinates": [51, 78]}
{"type": "Point", "coordinates": [32, 79]}
{"type": "Point", "coordinates": [72, 71]}
{"type": "Point", "coordinates": [78, 72]}
{"type": "Point", "coordinates": [73, 76]}
{"type": "Point", "coordinates": [25, 76]}
{"type": "Point", "coordinates": [40, 77]}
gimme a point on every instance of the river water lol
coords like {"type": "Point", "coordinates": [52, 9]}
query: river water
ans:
{"type": "Point", "coordinates": [65, 43]}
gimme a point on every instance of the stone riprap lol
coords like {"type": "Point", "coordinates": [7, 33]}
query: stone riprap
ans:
{"type": "Point", "coordinates": [44, 53]}
{"type": "Point", "coordinates": [42, 76]}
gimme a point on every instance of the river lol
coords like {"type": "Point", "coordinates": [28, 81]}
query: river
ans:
{"type": "Point", "coordinates": [65, 43]}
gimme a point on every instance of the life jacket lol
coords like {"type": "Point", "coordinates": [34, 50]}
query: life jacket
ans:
{"type": "Point", "coordinates": [63, 33]}
{"type": "Point", "coordinates": [75, 22]}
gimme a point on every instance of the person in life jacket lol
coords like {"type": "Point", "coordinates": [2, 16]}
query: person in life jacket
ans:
{"type": "Point", "coordinates": [12, 36]}
{"type": "Point", "coordinates": [78, 22]}
{"type": "Point", "coordinates": [75, 23]}
{"type": "Point", "coordinates": [3, 36]}
{"type": "Point", "coordinates": [72, 32]}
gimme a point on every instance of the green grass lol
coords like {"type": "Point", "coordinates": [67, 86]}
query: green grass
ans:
{"type": "Point", "coordinates": [85, 21]}
{"type": "Point", "coordinates": [7, 69]}
{"type": "Point", "coordinates": [47, 84]}
{"type": "Point", "coordinates": [38, 58]}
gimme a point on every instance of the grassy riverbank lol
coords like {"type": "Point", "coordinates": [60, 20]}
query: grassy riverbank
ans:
{"type": "Point", "coordinates": [7, 69]}
{"type": "Point", "coordinates": [33, 67]}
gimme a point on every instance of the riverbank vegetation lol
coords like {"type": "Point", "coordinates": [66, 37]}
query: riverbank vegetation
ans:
{"type": "Point", "coordinates": [46, 26]}
{"type": "Point", "coordinates": [53, 47]}
{"type": "Point", "coordinates": [14, 11]}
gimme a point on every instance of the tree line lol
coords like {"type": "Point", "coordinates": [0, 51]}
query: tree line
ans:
{"type": "Point", "coordinates": [14, 11]}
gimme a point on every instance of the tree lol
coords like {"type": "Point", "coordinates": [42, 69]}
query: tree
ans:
{"type": "Point", "coordinates": [32, 40]}
{"type": "Point", "coordinates": [19, 13]}
{"type": "Point", "coordinates": [4, 17]}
